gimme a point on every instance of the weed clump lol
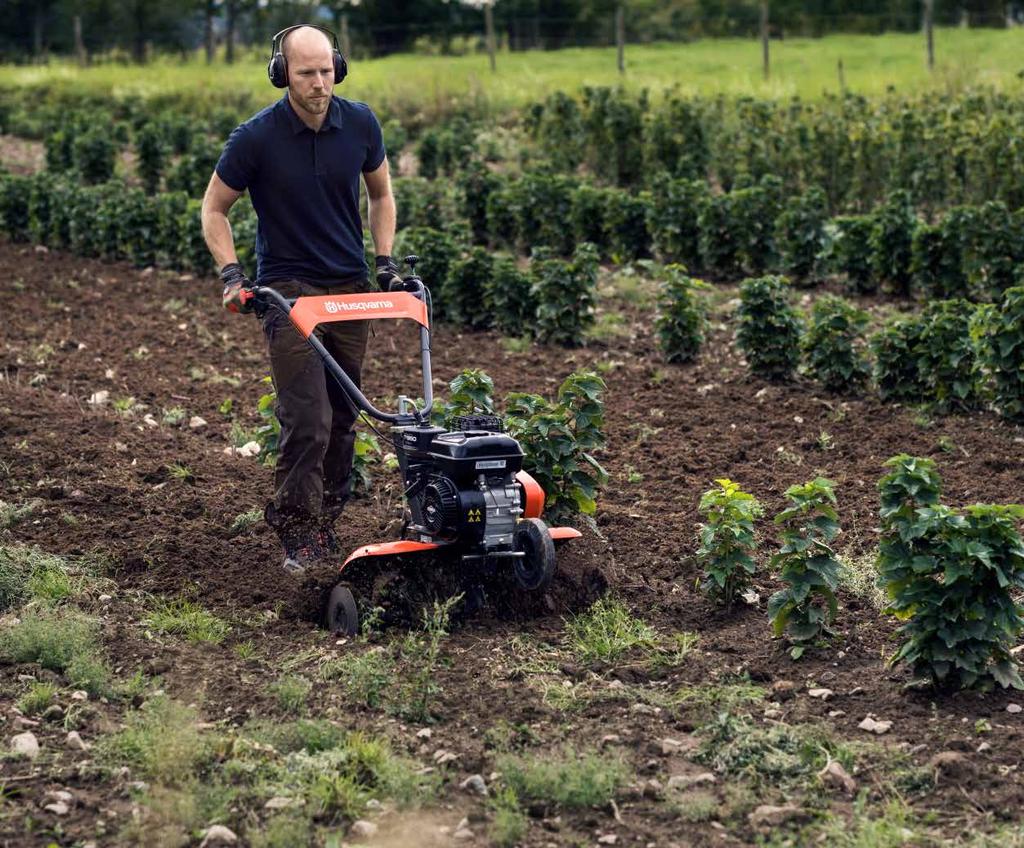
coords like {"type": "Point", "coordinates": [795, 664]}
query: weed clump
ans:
{"type": "Point", "coordinates": [607, 631]}
{"type": "Point", "coordinates": [61, 640]}
{"type": "Point", "coordinates": [567, 778]}
{"type": "Point", "coordinates": [186, 618]}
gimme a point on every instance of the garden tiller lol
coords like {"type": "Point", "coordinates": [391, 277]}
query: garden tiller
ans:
{"type": "Point", "coordinates": [468, 497]}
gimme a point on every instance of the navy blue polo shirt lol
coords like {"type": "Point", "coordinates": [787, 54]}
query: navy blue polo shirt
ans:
{"type": "Point", "coordinates": [304, 186]}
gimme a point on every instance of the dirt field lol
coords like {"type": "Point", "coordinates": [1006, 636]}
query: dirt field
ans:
{"type": "Point", "coordinates": [101, 483]}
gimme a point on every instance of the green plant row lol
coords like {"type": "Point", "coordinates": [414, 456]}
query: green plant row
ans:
{"type": "Point", "coordinates": [952, 577]}
{"type": "Point", "coordinates": [113, 221]}
{"type": "Point", "coordinates": [954, 355]}
{"type": "Point", "coordinates": [753, 229]}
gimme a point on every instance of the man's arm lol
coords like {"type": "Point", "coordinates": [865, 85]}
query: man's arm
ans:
{"type": "Point", "coordinates": [219, 198]}
{"type": "Point", "coordinates": [381, 208]}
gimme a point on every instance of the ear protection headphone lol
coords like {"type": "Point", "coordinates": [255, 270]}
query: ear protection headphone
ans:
{"type": "Point", "coordinates": [277, 67]}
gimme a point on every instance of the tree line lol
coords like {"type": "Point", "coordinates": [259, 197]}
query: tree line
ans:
{"type": "Point", "coordinates": [135, 30]}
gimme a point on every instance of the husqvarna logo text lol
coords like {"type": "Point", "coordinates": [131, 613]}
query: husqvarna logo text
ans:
{"type": "Point", "coordinates": [334, 306]}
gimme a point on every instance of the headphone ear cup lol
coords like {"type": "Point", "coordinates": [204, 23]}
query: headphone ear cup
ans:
{"type": "Point", "coordinates": [340, 67]}
{"type": "Point", "coordinates": [277, 70]}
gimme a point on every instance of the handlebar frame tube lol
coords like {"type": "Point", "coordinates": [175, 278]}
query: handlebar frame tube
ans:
{"type": "Point", "coordinates": [359, 400]}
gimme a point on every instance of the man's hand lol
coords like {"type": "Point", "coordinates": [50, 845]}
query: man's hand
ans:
{"type": "Point", "coordinates": [237, 297]}
{"type": "Point", "coordinates": [387, 272]}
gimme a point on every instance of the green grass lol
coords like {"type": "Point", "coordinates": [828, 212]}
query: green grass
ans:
{"type": "Point", "coordinates": [407, 84]}
{"type": "Point", "coordinates": [160, 742]}
{"type": "Point", "coordinates": [38, 697]}
{"type": "Point", "coordinates": [606, 631]}
{"type": "Point", "coordinates": [187, 618]}
{"type": "Point", "coordinates": [12, 514]}
{"type": "Point", "coordinates": [364, 677]}
{"type": "Point", "coordinates": [566, 778]}
{"type": "Point", "coordinates": [291, 693]}
{"type": "Point", "coordinates": [245, 521]}
{"type": "Point", "coordinates": [61, 640]}
{"type": "Point", "coordinates": [28, 573]}
{"type": "Point", "coordinates": [509, 824]}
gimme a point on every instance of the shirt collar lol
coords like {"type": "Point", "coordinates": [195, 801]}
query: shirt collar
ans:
{"type": "Point", "coordinates": [296, 123]}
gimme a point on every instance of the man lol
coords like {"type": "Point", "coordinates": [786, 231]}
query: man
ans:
{"type": "Point", "coordinates": [301, 159]}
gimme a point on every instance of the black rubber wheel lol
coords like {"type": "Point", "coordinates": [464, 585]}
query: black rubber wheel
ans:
{"type": "Point", "coordinates": [534, 570]}
{"type": "Point", "coordinates": [342, 617]}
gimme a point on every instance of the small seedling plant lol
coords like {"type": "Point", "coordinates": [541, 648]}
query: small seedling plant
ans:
{"type": "Point", "coordinates": [682, 315]}
{"type": "Point", "coordinates": [807, 565]}
{"type": "Point", "coordinates": [560, 439]}
{"type": "Point", "coordinates": [951, 578]}
{"type": "Point", "coordinates": [769, 331]}
{"type": "Point", "coordinates": [727, 544]}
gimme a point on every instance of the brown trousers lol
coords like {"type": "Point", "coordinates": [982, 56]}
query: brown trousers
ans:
{"type": "Point", "coordinates": [312, 479]}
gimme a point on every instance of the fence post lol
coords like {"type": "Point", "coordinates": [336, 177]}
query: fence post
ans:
{"type": "Point", "coordinates": [80, 54]}
{"type": "Point", "coordinates": [620, 37]}
{"type": "Point", "coordinates": [842, 76]}
{"type": "Point", "coordinates": [929, 8]}
{"type": "Point", "coordinates": [764, 37]}
{"type": "Point", "coordinates": [346, 45]}
{"type": "Point", "coordinates": [489, 25]}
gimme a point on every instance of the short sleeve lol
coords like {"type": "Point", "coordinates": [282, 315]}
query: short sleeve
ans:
{"type": "Point", "coordinates": [238, 163]}
{"type": "Point", "coordinates": [374, 146]}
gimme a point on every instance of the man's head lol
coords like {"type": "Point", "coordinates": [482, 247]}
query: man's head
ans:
{"type": "Point", "coordinates": [310, 57]}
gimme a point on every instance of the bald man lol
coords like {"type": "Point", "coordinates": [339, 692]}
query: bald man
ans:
{"type": "Point", "coordinates": [301, 160]}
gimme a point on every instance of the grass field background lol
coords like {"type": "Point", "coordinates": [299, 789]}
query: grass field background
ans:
{"type": "Point", "coordinates": [801, 66]}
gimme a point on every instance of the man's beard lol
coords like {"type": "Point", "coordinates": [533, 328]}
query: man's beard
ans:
{"type": "Point", "coordinates": [316, 105]}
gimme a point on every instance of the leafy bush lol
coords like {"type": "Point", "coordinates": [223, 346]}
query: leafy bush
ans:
{"type": "Point", "coordinates": [753, 212]}
{"type": "Point", "coordinates": [946, 354]}
{"type": "Point", "coordinates": [510, 295]}
{"type": "Point", "coordinates": [1003, 355]}
{"type": "Point", "coordinates": [465, 289]}
{"type": "Point", "coordinates": [951, 579]}
{"type": "Point", "coordinates": [993, 250]}
{"type": "Point", "coordinates": [717, 240]}
{"type": "Point", "coordinates": [726, 551]}
{"type": "Point", "coordinates": [682, 315]}
{"type": "Point", "coordinates": [673, 219]}
{"type": "Point", "coordinates": [613, 124]}
{"type": "Point", "coordinates": [587, 213]}
{"type": "Point", "coordinates": [895, 348]}
{"type": "Point", "coordinates": [891, 241]}
{"type": "Point", "coordinates": [851, 252]}
{"type": "Point", "coordinates": [807, 564]}
{"type": "Point", "coordinates": [564, 293]}
{"type": "Point", "coordinates": [769, 328]}
{"type": "Point", "coordinates": [936, 263]}
{"type": "Point", "coordinates": [834, 342]}
{"type": "Point", "coordinates": [421, 203]}
{"type": "Point", "coordinates": [800, 234]}
{"type": "Point", "coordinates": [542, 204]}
{"type": "Point", "coordinates": [151, 150]}
{"type": "Point", "coordinates": [557, 126]}
{"type": "Point", "coordinates": [474, 185]}
{"type": "Point", "coordinates": [15, 192]}
{"type": "Point", "coordinates": [675, 141]}
{"type": "Point", "coordinates": [93, 153]}
{"type": "Point", "coordinates": [625, 221]}
{"type": "Point", "coordinates": [500, 212]}
{"type": "Point", "coordinates": [559, 440]}
{"type": "Point", "coordinates": [192, 172]}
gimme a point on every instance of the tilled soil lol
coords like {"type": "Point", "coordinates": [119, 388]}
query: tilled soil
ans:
{"type": "Point", "coordinates": [103, 483]}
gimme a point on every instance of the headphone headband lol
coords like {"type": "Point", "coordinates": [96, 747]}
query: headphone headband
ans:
{"type": "Point", "coordinates": [276, 42]}
{"type": "Point", "coordinates": [277, 67]}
